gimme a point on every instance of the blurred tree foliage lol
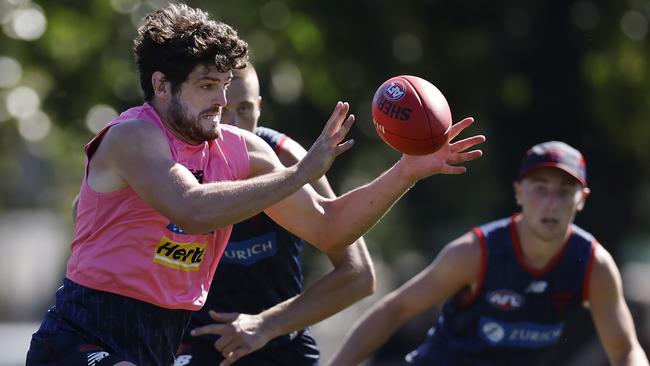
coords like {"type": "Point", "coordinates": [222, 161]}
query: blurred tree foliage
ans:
{"type": "Point", "coordinates": [528, 71]}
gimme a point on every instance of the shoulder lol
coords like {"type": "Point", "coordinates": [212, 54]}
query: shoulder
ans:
{"type": "Point", "coordinates": [136, 127]}
{"type": "Point", "coordinates": [465, 249]}
{"type": "Point", "coordinates": [464, 257]}
{"type": "Point", "coordinates": [603, 262]}
{"type": "Point", "coordinates": [605, 278]}
{"type": "Point", "coordinates": [133, 135]}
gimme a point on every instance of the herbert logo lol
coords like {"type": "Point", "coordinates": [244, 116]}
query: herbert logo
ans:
{"type": "Point", "coordinates": [505, 299]}
{"type": "Point", "coordinates": [394, 91]}
{"type": "Point", "coordinates": [185, 256]}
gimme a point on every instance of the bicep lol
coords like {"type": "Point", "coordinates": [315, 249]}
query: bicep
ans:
{"type": "Point", "coordinates": [443, 278]}
{"type": "Point", "coordinates": [609, 310]}
{"type": "Point", "coordinates": [147, 168]}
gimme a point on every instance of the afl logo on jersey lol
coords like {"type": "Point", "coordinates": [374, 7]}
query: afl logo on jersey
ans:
{"type": "Point", "coordinates": [394, 91]}
{"type": "Point", "coordinates": [505, 299]}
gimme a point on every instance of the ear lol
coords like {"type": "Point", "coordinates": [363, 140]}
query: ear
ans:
{"type": "Point", "coordinates": [517, 188]}
{"type": "Point", "coordinates": [585, 193]}
{"type": "Point", "coordinates": [161, 87]}
{"type": "Point", "coordinates": [260, 102]}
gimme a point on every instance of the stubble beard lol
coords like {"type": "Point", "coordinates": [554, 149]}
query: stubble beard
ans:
{"type": "Point", "coordinates": [187, 125]}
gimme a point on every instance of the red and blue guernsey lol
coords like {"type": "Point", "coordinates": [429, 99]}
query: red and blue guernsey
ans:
{"type": "Point", "coordinates": [517, 313]}
{"type": "Point", "coordinates": [260, 268]}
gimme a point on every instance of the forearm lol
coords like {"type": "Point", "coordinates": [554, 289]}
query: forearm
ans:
{"type": "Point", "coordinates": [218, 204]}
{"type": "Point", "coordinates": [351, 215]}
{"type": "Point", "coordinates": [370, 332]}
{"type": "Point", "coordinates": [332, 293]}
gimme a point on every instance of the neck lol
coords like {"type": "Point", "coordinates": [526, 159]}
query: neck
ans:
{"type": "Point", "coordinates": [538, 251]}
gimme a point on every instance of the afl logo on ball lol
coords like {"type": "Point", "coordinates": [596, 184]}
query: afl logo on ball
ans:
{"type": "Point", "coordinates": [394, 91]}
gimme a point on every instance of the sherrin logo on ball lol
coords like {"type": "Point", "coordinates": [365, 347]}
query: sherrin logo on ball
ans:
{"type": "Point", "coordinates": [411, 115]}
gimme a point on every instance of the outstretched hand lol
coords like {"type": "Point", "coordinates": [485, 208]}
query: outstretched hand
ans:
{"type": "Point", "coordinates": [329, 144]}
{"type": "Point", "coordinates": [240, 334]}
{"type": "Point", "coordinates": [445, 159]}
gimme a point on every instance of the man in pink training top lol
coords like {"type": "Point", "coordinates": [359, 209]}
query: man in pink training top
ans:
{"type": "Point", "coordinates": [165, 181]}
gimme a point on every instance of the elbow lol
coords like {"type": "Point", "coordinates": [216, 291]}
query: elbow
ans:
{"type": "Point", "coordinates": [368, 283]}
{"type": "Point", "coordinates": [367, 279]}
{"type": "Point", "coordinates": [361, 279]}
{"type": "Point", "coordinates": [192, 222]}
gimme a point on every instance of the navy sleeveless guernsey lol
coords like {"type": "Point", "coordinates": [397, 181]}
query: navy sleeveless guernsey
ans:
{"type": "Point", "coordinates": [260, 268]}
{"type": "Point", "coordinates": [517, 312]}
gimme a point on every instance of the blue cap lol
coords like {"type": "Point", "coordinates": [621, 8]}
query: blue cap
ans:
{"type": "Point", "coordinates": [555, 154]}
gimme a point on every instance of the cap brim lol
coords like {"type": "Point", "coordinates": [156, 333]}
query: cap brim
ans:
{"type": "Point", "coordinates": [560, 166]}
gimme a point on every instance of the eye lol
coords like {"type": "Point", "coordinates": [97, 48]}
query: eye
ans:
{"type": "Point", "coordinates": [207, 87]}
{"type": "Point", "coordinates": [243, 109]}
{"type": "Point", "coordinates": [540, 189]}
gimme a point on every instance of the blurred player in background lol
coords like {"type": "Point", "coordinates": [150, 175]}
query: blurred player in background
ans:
{"type": "Point", "coordinates": [509, 286]}
{"type": "Point", "coordinates": [259, 280]}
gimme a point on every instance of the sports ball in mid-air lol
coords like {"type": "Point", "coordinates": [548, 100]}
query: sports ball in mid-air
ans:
{"type": "Point", "coordinates": [411, 115]}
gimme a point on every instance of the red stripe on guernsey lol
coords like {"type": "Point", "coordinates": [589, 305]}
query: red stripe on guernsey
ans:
{"type": "Point", "coordinates": [520, 254]}
{"type": "Point", "coordinates": [484, 260]}
{"type": "Point", "coordinates": [278, 146]}
{"type": "Point", "coordinates": [587, 280]}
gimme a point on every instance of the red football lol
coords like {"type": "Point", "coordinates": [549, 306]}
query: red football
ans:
{"type": "Point", "coordinates": [411, 115]}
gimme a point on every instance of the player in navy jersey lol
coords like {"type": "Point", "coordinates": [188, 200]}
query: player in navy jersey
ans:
{"type": "Point", "coordinates": [521, 278]}
{"type": "Point", "coordinates": [256, 302]}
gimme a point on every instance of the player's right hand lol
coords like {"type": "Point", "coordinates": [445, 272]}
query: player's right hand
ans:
{"type": "Point", "coordinates": [329, 144]}
{"type": "Point", "coordinates": [239, 334]}
{"type": "Point", "coordinates": [445, 160]}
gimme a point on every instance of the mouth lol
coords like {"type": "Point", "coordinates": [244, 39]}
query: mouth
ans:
{"type": "Point", "coordinates": [212, 117]}
{"type": "Point", "coordinates": [550, 221]}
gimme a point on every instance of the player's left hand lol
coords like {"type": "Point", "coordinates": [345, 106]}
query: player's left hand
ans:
{"type": "Point", "coordinates": [240, 334]}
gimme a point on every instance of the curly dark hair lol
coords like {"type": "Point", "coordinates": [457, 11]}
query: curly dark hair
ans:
{"type": "Point", "coordinates": [177, 38]}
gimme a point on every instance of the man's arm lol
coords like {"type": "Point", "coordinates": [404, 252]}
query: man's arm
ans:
{"type": "Point", "coordinates": [332, 224]}
{"type": "Point", "coordinates": [351, 279]}
{"type": "Point", "coordinates": [136, 154]}
{"type": "Point", "coordinates": [458, 265]}
{"type": "Point", "coordinates": [241, 334]}
{"type": "Point", "coordinates": [610, 313]}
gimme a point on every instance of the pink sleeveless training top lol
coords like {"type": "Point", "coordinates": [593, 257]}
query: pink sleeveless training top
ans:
{"type": "Point", "coordinates": [122, 245]}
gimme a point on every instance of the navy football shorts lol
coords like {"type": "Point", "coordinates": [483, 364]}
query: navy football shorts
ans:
{"type": "Point", "coordinates": [95, 328]}
{"type": "Point", "coordinates": [299, 349]}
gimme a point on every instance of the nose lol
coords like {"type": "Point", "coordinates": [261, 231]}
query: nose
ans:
{"type": "Point", "coordinates": [220, 98]}
{"type": "Point", "coordinates": [553, 200]}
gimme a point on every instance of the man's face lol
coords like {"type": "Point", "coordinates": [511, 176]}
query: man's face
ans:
{"type": "Point", "coordinates": [244, 103]}
{"type": "Point", "coordinates": [550, 199]}
{"type": "Point", "coordinates": [195, 108]}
